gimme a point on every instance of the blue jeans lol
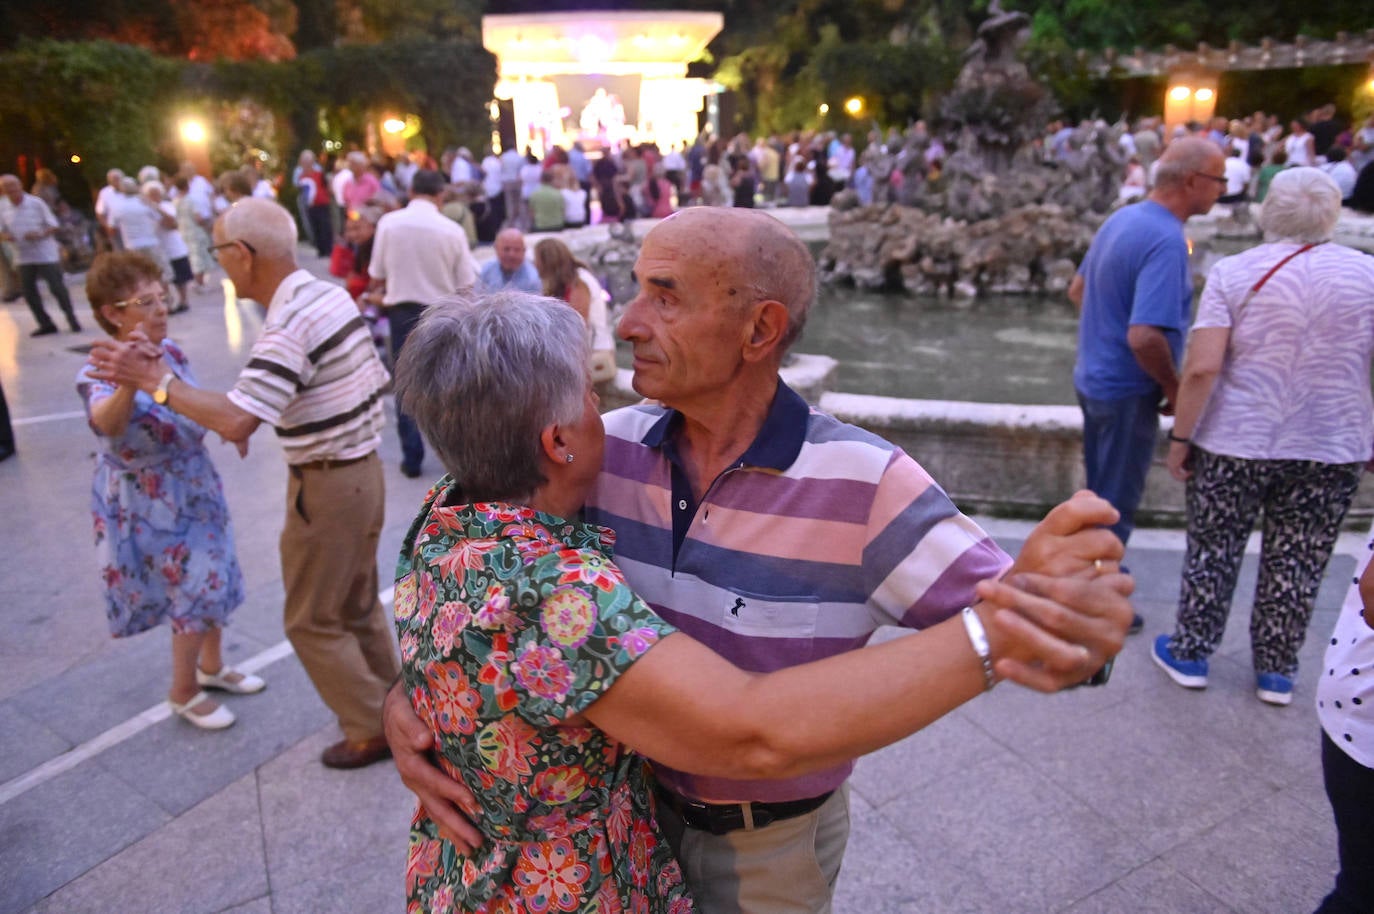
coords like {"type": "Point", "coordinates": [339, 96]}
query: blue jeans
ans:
{"type": "Point", "coordinates": [1118, 444]}
{"type": "Point", "coordinates": [401, 318]}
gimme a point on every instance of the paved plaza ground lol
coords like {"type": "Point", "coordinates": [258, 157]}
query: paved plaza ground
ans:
{"type": "Point", "coordinates": [1138, 797]}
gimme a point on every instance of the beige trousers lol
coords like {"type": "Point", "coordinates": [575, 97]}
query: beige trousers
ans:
{"type": "Point", "coordinates": [334, 619]}
{"type": "Point", "coordinates": [788, 867]}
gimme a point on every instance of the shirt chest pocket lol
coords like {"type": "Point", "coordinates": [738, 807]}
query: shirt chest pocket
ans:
{"type": "Point", "coordinates": [766, 615]}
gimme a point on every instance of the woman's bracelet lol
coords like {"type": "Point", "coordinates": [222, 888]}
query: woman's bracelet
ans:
{"type": "Point", "coordinates": [1177, 440]}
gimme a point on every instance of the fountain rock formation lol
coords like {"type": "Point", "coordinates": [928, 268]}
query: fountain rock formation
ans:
{"type": "Point", "coordinates": [993, 216]}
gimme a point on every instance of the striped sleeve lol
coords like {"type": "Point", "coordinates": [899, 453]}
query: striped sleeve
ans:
{"type": "Point", "coordinates": [922, 557]}
{"type": "Point", "coordinates": [277, 368]}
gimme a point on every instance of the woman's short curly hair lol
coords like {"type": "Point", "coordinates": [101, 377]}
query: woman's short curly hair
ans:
{"type": "Point", "coordinates": [1303, 205]}
{"type": "Point", "coordinates": [114, 276]}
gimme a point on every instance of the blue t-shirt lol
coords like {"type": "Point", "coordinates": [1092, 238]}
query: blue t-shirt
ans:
{"type": "Point", "coordinates": [1136, 272]}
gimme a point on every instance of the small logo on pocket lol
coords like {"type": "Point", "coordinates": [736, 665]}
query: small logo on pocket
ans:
{"type": "Point", "coordinates": [739, 604]}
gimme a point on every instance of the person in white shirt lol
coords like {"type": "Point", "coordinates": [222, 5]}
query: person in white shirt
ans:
{"type": "Point", "coordinates": [137, 222]}
{"type": "Point", "coordinates": [31, 227]}
{"type": "Point", "coordinates": [1237, 173]}
{"type": "Point", "coordinates": [108, 194]}
{"type": "Point", "coordinates": [418, 256]}
{"type": "Point", "coordinates": [174, 248]}
{"type": "Point", "coordinates": [1341, 171]}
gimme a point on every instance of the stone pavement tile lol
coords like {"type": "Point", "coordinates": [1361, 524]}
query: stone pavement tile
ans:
{"type": "Point", "coordinates": [1155, 888]}
{"type": "Point", "coordinates": [940, 749]}
{"type": "Point", "coordinates": [335, 839]}
{"type": "Point", "coordinates": [127, 678]}
{"type": "Point", "coordinates": [256, 906]}
{"type": "Point", "coordinates": [1154, 778]}
{"type": "Point", "coordinates": [203, 861]}
{"type": "Point", "coordinates": [59, 830]}
{"type": "Point", "coordinates": [1023, 837]}
{"type": "Point", "coordinates": [365, 888]}
{"type": "Point", "coordinates": [192, 765]}
{"type": "Point", "coordinates": [27, 743]}
{"type": "Point", "coordinates": [1273, 857]}
{"type": "Point", "coordinates": [885, 873]}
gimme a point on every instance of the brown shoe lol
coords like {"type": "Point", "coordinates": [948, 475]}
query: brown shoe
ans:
{"type": "Point", "coordinates": [359, 754]}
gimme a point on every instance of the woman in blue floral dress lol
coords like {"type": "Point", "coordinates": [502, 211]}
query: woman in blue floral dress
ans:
{"type": "Point", "coordinates": [162, 528]}
{"type": "Point", "coordinates": [532, 668]}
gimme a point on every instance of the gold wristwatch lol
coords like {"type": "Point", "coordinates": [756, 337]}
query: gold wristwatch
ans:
{"type": "Point", "coordinates": [160, 395]}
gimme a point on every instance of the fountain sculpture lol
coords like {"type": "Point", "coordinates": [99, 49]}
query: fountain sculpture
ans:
{"type": "Point", "coordinates": [998, 217]}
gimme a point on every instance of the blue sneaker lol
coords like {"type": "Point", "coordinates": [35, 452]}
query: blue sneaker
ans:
{"type": "Point", "coordinates": [1191, 674]}
{"type": "Point", "coordinates": [1274, 688]}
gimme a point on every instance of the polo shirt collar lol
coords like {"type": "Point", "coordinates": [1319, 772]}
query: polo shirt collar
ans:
{"type": "Point", "coordinates": [288, 286]}
{"type": "Point", "coordinates": [778, 442]}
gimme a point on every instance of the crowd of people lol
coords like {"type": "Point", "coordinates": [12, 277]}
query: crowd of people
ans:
{"type": "Point", "coordinates": [761, 542]}
{"type": "Point", "coordinates": [1256, 147]}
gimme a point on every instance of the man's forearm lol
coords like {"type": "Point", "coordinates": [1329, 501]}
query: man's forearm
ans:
{"type": "Point", "coordinates": [1152, 353]}
{"type": "Point", "coordinates": [211, 409]}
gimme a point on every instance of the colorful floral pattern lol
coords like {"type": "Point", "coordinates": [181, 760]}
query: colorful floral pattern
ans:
{"type": "Point", "coordinates": [510, 623]}
{"type": "Point", "coordinates": [162, 534]}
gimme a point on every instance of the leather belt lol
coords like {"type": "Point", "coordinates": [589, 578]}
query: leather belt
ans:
{"type": "Point", "coordinates": [328, 463]}
{"type": "Point", "coordinates": [722, 818]}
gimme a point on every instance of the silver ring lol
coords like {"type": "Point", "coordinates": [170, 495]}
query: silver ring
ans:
{"type": "Point", "coordinates": [1097, 565]}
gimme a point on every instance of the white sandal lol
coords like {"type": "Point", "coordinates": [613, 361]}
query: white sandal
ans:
{"type": "Point", "coordinates": [217, 719]}
{"type": "Point", "coordinates": [247, 684]}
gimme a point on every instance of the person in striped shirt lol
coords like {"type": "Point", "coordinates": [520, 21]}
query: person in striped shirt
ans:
{"type": "Point", "coordinates": [773, 534]}
{"type": "Point", "coordinates": [315, 377]}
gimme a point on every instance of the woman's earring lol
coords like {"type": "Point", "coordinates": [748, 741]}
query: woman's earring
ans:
{"type": "Point", "coordinates": [569, 458]}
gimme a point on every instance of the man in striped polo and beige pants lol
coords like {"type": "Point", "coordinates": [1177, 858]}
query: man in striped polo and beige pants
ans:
{"type": "Point", "coordinates": [315, 377]}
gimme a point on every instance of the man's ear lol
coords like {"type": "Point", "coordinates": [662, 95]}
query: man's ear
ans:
{"type": "Point", "coordinates": [766, 330]}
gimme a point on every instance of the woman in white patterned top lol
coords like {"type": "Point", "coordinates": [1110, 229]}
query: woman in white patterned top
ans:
{"type": "Point", "coordinates": [1274, 416]}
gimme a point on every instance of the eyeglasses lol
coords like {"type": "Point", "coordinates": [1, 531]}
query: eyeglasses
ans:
{"type": "Point", "coordinates": [1219, 180]}
{"type": "Point", "coordinates": [214, 248]}
{"type": "Point", "coordinates": [143, 302]}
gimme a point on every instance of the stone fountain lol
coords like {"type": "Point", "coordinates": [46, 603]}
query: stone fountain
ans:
{"type": "Point", "coordinates": [998, 217]}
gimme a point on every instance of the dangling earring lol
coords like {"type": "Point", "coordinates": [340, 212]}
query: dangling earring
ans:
{"type": "Point", "coordinates": [569, 458]}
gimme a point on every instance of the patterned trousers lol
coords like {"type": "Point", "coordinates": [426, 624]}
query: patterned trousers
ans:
{"type": "Point", "coordinates": [1303, 503]}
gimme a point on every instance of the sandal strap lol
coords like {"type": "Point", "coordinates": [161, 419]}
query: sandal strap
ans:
{"type": "Point", "coordinates": [191, 703]}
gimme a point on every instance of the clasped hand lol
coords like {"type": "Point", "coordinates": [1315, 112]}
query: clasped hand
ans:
{"type": "Point", "coordinates": [135, 362]}
{"type": "Point", "coordinates": [1063, 609]}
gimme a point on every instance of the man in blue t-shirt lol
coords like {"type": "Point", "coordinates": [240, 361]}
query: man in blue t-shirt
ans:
{"type": "Point", "coordinates": [1135, 293]}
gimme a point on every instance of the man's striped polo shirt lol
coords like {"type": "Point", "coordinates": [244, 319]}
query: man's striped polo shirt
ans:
{"type": "Point", "coordinates": [818, 535]}
{"type": "Point", "coordinates": [314, 374]}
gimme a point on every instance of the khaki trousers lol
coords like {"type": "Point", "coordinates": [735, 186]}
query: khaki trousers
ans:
{"type": "Point", "coordinates": [788, 867]}
{"type": "Point", "coordinates": [334, 618]}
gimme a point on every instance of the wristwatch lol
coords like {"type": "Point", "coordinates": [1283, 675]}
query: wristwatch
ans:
{"type": "Point", "coordinates": [160, 395]}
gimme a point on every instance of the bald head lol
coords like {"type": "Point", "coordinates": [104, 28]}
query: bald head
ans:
{"type": "Point", "coordinates": [760, 258]}
{"type": "Point", "coordinates": [1186, 156]}
{"type": "Point", "coordinates": [265, 225]}
{"type": "Point", "coordinates": [510, 249]}
{"type": "Point", "coordinates": [10, 187]}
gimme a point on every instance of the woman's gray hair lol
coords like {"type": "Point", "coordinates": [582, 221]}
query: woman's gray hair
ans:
{"type": "Point", "coordinates": [1303, 204]}
{"type": "Point", "coordinates": [482, 377]}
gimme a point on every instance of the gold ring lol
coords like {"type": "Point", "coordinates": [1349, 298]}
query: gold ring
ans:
{"type": "Point", "coordinates": [1087, 654]}
{"type": "Point", "coordinates": [1097, 565]}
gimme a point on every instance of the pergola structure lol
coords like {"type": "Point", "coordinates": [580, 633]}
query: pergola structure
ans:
{"type": "Point", "coordinates": [601, 77]}
{"type": "Point", "coordinates": [1193, 73]}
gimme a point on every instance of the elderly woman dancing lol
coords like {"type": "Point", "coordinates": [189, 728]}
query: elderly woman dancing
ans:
{"type": "Point", "coordinates": [534, 667]}
{"type": "Point", "coordinates": [1274, 417]}
{"type": "Point", "coordinates": [161, 524]}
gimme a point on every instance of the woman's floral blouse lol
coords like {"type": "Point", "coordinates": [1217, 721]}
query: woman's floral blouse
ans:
{"type": "Point", "coordinates": [510, 622]}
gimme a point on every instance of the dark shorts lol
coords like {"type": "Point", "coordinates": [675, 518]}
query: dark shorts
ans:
{"type": "Point", "coordinates": [181, 270]}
